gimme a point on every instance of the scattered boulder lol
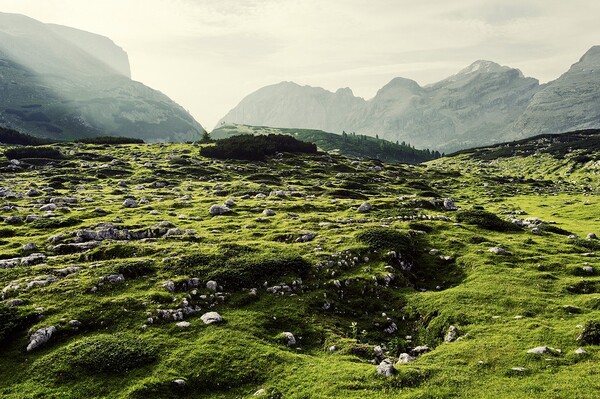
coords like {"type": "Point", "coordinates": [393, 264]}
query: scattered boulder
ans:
{"type": "Point", "coordinates": [14, 220]}
{"type": "Point", "coordinates": [40, 337]}
{"type": "Point", "coordinates": [130, 203]}
{"type": "Point", "coordinates": [218, 210]}
{"type": "Point", "coordinates": [307, 237]}
{"type": "Point", "coordinates": [451, 334]}
{"type": "Point", "coordinates": [449, 205]}
{"type": "Point", "coordinates": [212, 285]}
{"type": "Point", "coordinates": [288, 338]}
{"type": "Point", "coordinates": [268, 212]}
{"type": "Point", "coordinates": [169, 286]}
{"type": "Point", "coordinates": [183, 324]}
{"type": "Point", "coordinates": [180, 383]}
{"type": "Point", "coordinates": [31, 246]}
{"type": "Point", "coordinates": [419, 350]}
{"type": "Point", "coordinates": [113, 279]}
{"type": "Point", "coordinates": [580, 351]}
{"type": "Point", "coordinates": [364, 207]}
{"type": "Point", "coordinates": [386, 368]}
{"type": "Point", "coordinates": [543, 350]}
{"type": "Point", "coordinates": [211, 318]}
{"type": "Point", "coordinates": [498, 251]}
{"type": "Point", "coordinates": [405, 358]}
{"type": "Point", "coordinates": [33, 259]}
{"type": "Point", "coordinates": [15, 302]}
{"type": "Point", "coordinates": [592, 236]}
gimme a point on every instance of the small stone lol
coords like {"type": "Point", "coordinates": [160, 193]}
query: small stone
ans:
{"type": "Point", "coordinates": [260, 392]}
{"type": "Point", "coordinates": [498, 251]}
{"type": "Point", "coordinates": [40, 337]}
{"type": "Point", "coordinates": [386, 368]}
{"type": "Point", "coordinates": [212, 285]}
{"type": "Point", "coordinates": [268, 212]}
{"type": "Point", "coordinates": [451, 334]}
{"type": "Point", "coordinates": [183, 324]}
{"type": "Point", "coordinates": [179, 383]}
{"type": "Point", "coordinates": [289, 338]}
{"type": "Point", "coordinates": [218, 210]}
{"type": "Point", "coordinates": [211, 318]}
{"type": "Point", "coordinates": [130, 203]}
{"type": "Point", "coordinates": [542, 350]}
{"type": "Point", "coordinates": [364, 207]}
{"type": "Point", "coordinates": [169, 286]}
{"type": "Point", "coordinates": [405, 358]}
{"type": "Point", "coordinates": [580, 351]}
{"type": "Point", "coordinates": [31, 246]}
{"type": "Point", "coordinates": [591, 236]}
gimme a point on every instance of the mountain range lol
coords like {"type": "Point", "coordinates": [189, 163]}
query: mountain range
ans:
{"type": "Point", "coordinates": [482, 104]}
{"type": "Point", "coordinates": [63, 83]}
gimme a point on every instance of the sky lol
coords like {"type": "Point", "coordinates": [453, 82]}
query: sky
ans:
{"type": "Point", "coordinates": [209, 54]}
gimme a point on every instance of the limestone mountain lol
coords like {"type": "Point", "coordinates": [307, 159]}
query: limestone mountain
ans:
{"type": "Point", "coordinates": [570, 102]}
{"type": "Point", "coordinates": [482, 104]}
{"type": "Point", "coordinates": [64, 83]}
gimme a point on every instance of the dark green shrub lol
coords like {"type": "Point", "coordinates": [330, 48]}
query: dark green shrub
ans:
{"type": "Point", "coordinates": [591, 333]}
{"type": "Point", "coordinates": [592, 245]}
{"type": "Point", "coordinates": [343, 193]}
{"type": "Point", "coordinates": [420, 227]}
{"type": "Point", "coordinates": [398, 345]}
{"type": "Point", "coordinates": [381, 238]}
{"type": "Point", "coordinates": [253, 270]}
{"type": "Point", "coordinates": [12, 320]}
{"type": "Point", "coordinates": [33, 152]}
{"type": "Point", "coordinates": [109, 140]}
{"type": "Point", "coordinates": [256, 148]}
{"type": "Point", "coordinates": [7, 233]}
{"type": "Point", "coordinates": [9, 136]}
{"type": "Point", "coordinates": [485, 220]}
{"type": "Point", "coordinates": [104, 353]}
{"type": "Point", "coordinates": [135, 269]}
{"type": "Point", "coordinates": [556, 230]}
{"type": "Point", "coordinates": [117, 251]}
{"type": "Point", "coordinates": [54, 223]}
{"type": "Point", "coordinates": [584, 287]}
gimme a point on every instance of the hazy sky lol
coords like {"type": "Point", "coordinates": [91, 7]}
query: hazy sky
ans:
{"type": "Point", "coordinates": [208, 54]}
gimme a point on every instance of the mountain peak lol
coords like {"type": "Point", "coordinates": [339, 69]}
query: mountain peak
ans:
{"type": "Point", "coordinates": [592, 55]}
{"type": "Point", "coordinates": [483, 66]}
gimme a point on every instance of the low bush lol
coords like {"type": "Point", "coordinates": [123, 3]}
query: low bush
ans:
{"type": "Point", "coordinates": [380, 238]}
{"type": "Point", "coordinates": [12, 320]}
{"type": "Point", "coordinates": [54, 223]}
{"type": "Point", "coordinates": [485, 220]}
{"type": "Point", "coordinates": [33, 152]}
{"type": "Point", "coordinates": [110, 140]}
{"type": "Point", "coordinates": [591, 333]}
{"type": "Point", "coordinates": [135, 269]}
{"type": "Point", "coordinates": [256, 148]}
{"type": "Point", "coordinates": [104, 353]}
{"type": "Point", "coordinates": [253, 270]}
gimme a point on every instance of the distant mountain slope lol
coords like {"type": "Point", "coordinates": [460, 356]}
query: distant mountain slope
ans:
{"type": "Point", "coordinates": [568, 103]}
{"type": "Point", "coordinates": [63, 83]}
{"type": "Point", "coordinates": [355, 146]}
{"type": "Point", "coordinates": [484, 103]}
{"type": "Point", "coordinates": [580, 145]}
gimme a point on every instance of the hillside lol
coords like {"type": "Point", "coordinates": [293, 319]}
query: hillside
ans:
{"type": "Point", "coordinates": [62, 83]}
{"type": "Point", "coordinates": [349, 145]}
{"type": "Point", "coordinates": [483, 104]}
{"type": "Point", "coordinates": [149, 271]}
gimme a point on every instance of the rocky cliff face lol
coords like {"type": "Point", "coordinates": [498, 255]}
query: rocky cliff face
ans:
{"type": "Point", "coordinates": [483, 104]}
{"type": "Point", "coordinates": [100, 47]}
{"type": "Point", "coordinates": [64, 83]}
{"type": "Point", "coordinates": [571, 102]}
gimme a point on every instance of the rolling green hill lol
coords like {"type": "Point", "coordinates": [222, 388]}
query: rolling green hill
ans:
{"type": "Point", "coordinates": [462, 277]}
{"type": "Point", "coordinates": [349, 145]}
